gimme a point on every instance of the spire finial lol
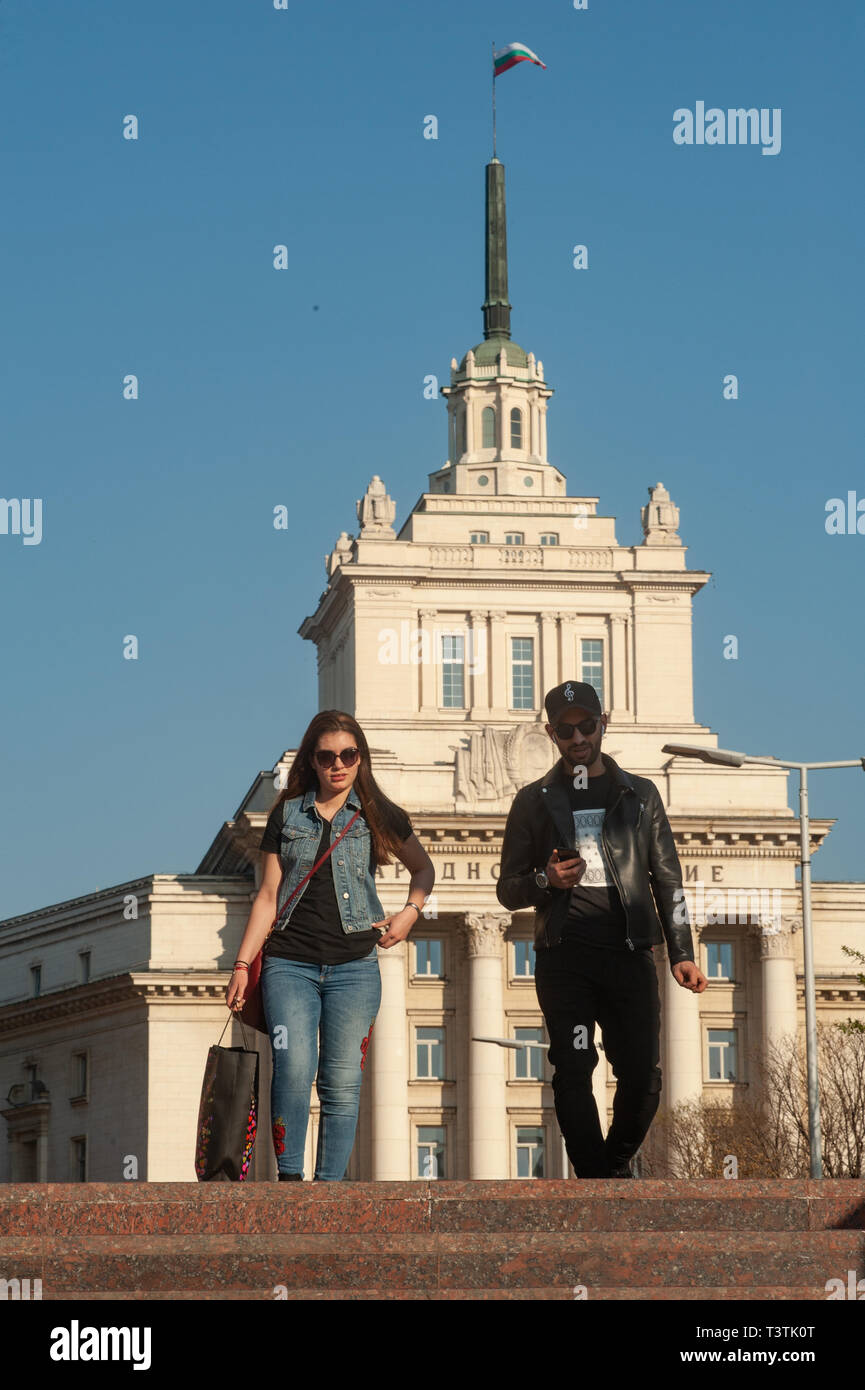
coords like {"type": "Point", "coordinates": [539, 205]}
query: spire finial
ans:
{"type": "Point", "coordinates": [497, 310]}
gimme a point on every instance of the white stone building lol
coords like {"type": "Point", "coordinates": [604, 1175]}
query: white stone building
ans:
{"type": "Point", "coordinates": [441, 638]}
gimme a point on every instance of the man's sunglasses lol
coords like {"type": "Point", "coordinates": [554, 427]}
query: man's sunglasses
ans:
{"type": "Point", "coordinates": [586, 727]}
{"type": "Point", "coordinates": [325, 758]}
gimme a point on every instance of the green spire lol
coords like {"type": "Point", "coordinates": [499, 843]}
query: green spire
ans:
{"type": "Point", "coordinates": [497, 310]}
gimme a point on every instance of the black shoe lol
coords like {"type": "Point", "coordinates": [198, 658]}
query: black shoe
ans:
{"type": "Point", "coordinates": [290, 1177]}
{"type": "Point", "coordinates": [622, 1172]}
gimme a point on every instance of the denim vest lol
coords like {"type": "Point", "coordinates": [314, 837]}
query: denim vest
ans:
{"type": "Point", "coordinates": [352, 867]}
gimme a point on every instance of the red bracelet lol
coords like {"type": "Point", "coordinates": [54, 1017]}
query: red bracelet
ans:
{"type": "Point", "coordinates": [240, 965]}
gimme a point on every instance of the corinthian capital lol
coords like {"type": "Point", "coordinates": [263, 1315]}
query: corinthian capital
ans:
{"type": "Point", "coordinates": [484, 932]}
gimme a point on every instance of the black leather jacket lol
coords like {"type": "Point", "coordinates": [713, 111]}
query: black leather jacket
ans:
{"type": "Point", "coordinates": [638, 846]}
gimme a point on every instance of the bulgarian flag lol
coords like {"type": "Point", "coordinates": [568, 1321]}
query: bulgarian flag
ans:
{"type": "Point", "coordinates": [504, 58]}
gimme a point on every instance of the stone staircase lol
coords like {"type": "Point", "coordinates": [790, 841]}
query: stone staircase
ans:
{"type": "Point", "coordinates": [645, 1240]}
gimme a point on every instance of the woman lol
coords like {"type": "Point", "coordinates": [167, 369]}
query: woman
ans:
{"type": "Point", "coordinates": [320, 978]}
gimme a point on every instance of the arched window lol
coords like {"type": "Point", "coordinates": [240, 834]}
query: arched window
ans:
{"type": "Point", "coordinates": [488, 427]}
{"type": "Point", "coordinates": [461, 431]}
{"type": "Point", "coordinates": [516, 428]}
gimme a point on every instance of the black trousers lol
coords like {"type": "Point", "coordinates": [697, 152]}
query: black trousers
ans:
{"type": "Point", "coordinates": [579, 986]}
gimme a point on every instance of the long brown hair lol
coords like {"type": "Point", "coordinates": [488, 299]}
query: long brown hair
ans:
{"type": "Point", "coordinates": [380, 813]}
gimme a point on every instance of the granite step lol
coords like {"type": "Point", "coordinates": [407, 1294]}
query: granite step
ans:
{"type": "Point", "coordinates": [646, 1240]}
{"type": "Point", "coordinates": [666, 1293]}
{"type": "Point", "coordinates": [438, 1261]}
{"type": "Point", "coordinates": [57, 1210]}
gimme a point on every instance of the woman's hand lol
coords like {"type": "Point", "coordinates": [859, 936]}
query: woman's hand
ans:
{"type": "Point", "coordinates": [396, 927]}
{"type": "Point", "coordinates": [234, 994]}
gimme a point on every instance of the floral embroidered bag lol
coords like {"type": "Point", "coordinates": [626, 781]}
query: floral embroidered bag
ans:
{"type": "Point", "coordinates": [228, 1113]}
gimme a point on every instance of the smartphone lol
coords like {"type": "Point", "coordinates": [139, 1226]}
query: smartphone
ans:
{"type": "Point", "coordinates": [565, 854]}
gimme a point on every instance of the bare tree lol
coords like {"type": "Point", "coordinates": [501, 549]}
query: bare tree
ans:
{"type": "Point", "coordinates": [768, 1134]}
{"type": "Point", "coordinates": [854, 1025]}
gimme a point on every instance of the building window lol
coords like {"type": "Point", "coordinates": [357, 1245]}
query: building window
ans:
{"type": "Point", "coordinates": [516, 428]}
{"type": "Point", "coordinates": [550, 538]}
{"type": "Point", "coordinates": [524, 958]}
{"type": "Point", "coordinates": [453, 672]}
{"type": "Point", "coordinates": [719, 960]}
{"type": "Point", "coordinates": [84, 967]}
{"type": "Point", "coordinates": [428, 957]}
{"type": "Point", "coordinates": [592, 665]}
{"type": "Point", "coordinates": [529, 1061]}
{"type": "Point", "coordinates": [79, 1075]}
{"type": "Point", "coordinates": [515, 537]}
{"type": "Point", "coordinates": [431, 1151]}
{"type": "Point", "coordinates": [488, 427]}
{"type": "Point", "coordinates": [461, 431]}
{"type": "Point", "coordinates": [522, 673]}
{"type": "Point", "coordinates": [78, 1159]}
{"type": "Point", "coordinates": [480, 537]}
{"type": "Point", "coordinates": [430, 1043]}
{"type": "Point", "coordinates": [722, 1054]}
{"type": "Point", "coordinates": [36, 980]}
{"type": "Point", "coordinates": [530, 1153]}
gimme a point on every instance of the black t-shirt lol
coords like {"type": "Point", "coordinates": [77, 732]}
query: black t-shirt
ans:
{"type": "Point", "coordinates": [596, 916]}
{"type": "Point", "coordinates": [314, 931]}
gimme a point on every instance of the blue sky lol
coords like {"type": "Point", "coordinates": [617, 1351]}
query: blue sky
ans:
{"type": "Point", "coordinates": [304, 127]}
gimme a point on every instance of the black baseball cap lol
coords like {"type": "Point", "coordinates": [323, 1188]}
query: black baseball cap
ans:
{"type": "Point", "coordinates": [572, 695]}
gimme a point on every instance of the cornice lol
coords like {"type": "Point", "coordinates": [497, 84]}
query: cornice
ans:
{"type": "Point", "coordinates": [114, 994]}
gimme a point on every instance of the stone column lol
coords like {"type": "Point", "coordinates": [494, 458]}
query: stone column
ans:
{"type": "Point", "coordinates": [483, 934]}
{"type": "Point", "coordinates": [630, 646]}
{"type": "Point", "coordinates": [618, 669]}
{"type": "Point", "coordinates": [549, 664]}
{"type": "Point", "coordinates": [478, 656]}
{"type": "Point", "coordinates": [681, 1036]}
{"type": "Point", "coordinates": [569, 670]}
{"type": "Point", "coordinates": [470, 422]}
{"type": "Point", "coordinates": [429, 665]}
{"type": "Point", "coordinates": [388, 1063]}
{"type": "Point", "coordinates": [778, 972]}
{"type": "Point", "coordinates": [498, 659]}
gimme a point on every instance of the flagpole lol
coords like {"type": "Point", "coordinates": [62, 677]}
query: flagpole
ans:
{"type": "Point", "coordinates": [492, 97]}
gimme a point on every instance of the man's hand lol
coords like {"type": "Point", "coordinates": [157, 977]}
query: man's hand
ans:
{"type": "Point", "coordinates": [564, 873]}
{"type": "Point", "coordinates": [689, 976]}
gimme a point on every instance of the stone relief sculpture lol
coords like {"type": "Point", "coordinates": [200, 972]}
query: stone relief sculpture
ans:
{"type": "Point", "coordinates": [495, 763]}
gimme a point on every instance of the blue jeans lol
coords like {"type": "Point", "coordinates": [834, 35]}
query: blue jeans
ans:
{"type": "Point", "coordinates": [305, 1004]}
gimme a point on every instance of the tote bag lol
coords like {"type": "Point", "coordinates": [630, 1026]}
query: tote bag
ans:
{"type": "Point", "coordinates": [227, 1113]}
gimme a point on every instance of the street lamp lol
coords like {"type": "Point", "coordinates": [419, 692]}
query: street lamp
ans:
{"type": "Point", "coordinates": [732, 759]}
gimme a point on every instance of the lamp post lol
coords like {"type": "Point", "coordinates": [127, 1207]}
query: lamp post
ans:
{"type": "Point", "coordinates": [732, 759]}
{"type": "Point", "coordinates": [513, 1043]}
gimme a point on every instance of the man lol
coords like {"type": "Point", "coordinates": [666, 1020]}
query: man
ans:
{"type": "Point", "coordinates": [589, 847]}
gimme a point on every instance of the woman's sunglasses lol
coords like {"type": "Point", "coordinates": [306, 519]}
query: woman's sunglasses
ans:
{"type": "Point", "coordinates": [586, 727]}
{"type": "Point", "coordinates": [325, 758]}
